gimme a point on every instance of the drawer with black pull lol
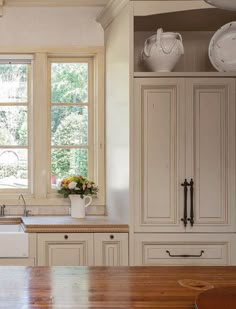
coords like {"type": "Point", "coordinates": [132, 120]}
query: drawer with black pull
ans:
{"type": "Point", "coordinates": [151, 249]}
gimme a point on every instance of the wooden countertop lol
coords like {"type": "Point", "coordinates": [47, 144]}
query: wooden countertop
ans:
{"type": "Point", "coordinates": [47, 224]}
{"type": "Point", "coordinates": [106, 287]}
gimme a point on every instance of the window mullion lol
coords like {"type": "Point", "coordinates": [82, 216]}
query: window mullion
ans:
{"type": "Point", "coordinates": [40, 121]}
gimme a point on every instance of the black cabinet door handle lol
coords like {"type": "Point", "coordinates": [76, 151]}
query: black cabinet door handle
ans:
{"type": "Point", "coordinates": [185, 217]}
{"type": "Point", "coordinates": [185, 255]}
{"type": "Point", "coordinates": [191, 219]}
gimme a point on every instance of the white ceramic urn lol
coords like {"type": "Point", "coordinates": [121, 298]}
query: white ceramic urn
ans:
{"type": "Point", "coordinates": [78, 205]}
{"type": "Point", "coordinates": [162, 51]}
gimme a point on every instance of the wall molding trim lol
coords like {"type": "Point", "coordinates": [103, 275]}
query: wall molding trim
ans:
{"type": "Point", "coordinates": [111, 10]}
{"type": "Point", "coordinates": [54, 3]}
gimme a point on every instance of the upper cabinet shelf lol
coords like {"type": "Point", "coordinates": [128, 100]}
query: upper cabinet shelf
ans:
{"type": "Point", "coordinates": [197, 26]}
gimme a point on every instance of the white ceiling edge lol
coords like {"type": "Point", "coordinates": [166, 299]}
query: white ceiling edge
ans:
{"type": "Point", "coordinates": [55, 3]}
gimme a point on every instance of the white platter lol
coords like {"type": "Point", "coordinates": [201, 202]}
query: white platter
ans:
{"type": "Point", "coordinates": [222, 48]}
{"type": "Point", "coordinates": [223, 4]}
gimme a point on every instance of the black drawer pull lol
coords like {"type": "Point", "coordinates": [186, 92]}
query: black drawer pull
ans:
{"type": "Point", "coordinates": [111, 236]}
{"type": "Point", "coordinates": [185, 255]}
{"type": "Point", "coordinates": [66, 236]}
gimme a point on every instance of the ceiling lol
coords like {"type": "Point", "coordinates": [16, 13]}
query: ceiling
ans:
{"type": "Point", "coordinates": [55, 2]}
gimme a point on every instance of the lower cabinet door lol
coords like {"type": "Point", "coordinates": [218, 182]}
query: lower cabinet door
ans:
{"type": "Point", "coordinates": [111, 249]}
{"type": "Point", "coordinates": [72, 249]}
{"type": "Point", "coordinates": [184, 249]}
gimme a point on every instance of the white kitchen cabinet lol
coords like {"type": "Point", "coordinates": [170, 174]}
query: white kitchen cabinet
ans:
{"type": "Point", "coordinates": [181, 126]}
{"type": "Point", "coordinates": [184, 129]}
{"type": "Point", "coordinates": [82, 249]}
{"type": "Point", "coordinates": [111, 249]}
{"type": "Point", "coordinates": [59, 249]}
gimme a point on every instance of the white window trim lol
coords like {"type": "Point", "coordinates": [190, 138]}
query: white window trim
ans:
{"type": "Point", "coordinates": [39, 138]}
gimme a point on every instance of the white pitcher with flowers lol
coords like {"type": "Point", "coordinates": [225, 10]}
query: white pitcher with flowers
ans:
{"type": "Point", "coordinates": [80, 191]}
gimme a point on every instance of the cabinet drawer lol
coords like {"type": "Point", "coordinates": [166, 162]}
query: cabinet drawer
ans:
{"type": "Point", "coordinates": [181, 252]}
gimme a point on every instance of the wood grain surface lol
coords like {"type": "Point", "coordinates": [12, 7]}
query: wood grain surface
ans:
{"type": "Point", "coordinates": [105, 287]}
{"type": "Point", "coordinates": [52, 224]}
{"type": "Point", "coordinates": [219, 298]}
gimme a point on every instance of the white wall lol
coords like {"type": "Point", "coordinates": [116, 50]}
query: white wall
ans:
{"type": "Point", "coordinates": [117, 116]}
{"type": "Point", "coordinates": [50, 26]}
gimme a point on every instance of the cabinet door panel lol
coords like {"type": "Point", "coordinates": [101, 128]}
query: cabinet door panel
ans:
{"type": "Point", "coordinates": [210, 140]}
{"type": "Point", "coordinates": [111, 249]}
{"type": "Point", "coordinates": [66, 254]}
{"type": "Point", "coordinates": [74, 249]}
{"type": "Point", "coordinates": [159, 134]}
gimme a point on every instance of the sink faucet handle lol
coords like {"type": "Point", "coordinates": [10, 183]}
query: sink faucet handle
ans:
{"type": "Point", "coordinates": [2, 210]}
{"type": "Point", "coordinates": [27, 212]}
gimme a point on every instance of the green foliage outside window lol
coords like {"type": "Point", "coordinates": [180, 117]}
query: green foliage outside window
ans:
{"type": "Point", "coordinates": [69, 124]}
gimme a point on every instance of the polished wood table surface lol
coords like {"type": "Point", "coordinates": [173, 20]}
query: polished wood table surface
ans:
{"type": "Point", "coordinates": [106, 287]}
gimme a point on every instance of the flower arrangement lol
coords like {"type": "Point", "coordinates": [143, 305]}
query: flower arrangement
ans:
{"type": "Point", "coordinates": [77, 185]}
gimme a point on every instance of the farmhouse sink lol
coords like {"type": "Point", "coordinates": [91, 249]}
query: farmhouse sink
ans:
{"type": "Point", "coordinates": [13, 241]}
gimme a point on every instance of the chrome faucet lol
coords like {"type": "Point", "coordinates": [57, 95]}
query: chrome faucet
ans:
{"type": "Point", "coordinates": [2, 210]}
{"type": "Point", "coordinates": [26, 212]}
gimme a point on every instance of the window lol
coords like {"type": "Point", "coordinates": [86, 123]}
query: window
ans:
{"type": "Point", "coordinates": [71, 100]}
{"type": "Point", "coordinates": [14, 112]}
{"type": "Point", "coordinates": [51, 122]}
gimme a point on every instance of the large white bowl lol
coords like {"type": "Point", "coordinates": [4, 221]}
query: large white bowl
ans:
{"type": "Point", "coordinates": [223, 4]}
{"type": "Point", "coordinates": [222, 48]}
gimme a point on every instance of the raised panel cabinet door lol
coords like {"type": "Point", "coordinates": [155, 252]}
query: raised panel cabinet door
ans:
{"type": "Point", "coordinates": [210, 157]}
{"type": "Point", "coordinates": [158, 162]}
{"type": "Point", "coordinates": [65, 249]}
{"type": "Point", "coordinates": [111, 249]}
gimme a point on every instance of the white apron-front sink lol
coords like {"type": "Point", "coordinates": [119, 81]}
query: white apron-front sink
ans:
{"type": "Point", "coordinates": [14, 242]}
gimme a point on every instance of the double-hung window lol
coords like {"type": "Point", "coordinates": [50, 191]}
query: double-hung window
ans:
{"type": "Point", "coordinates": [71, 101]}
{"type": "Point", "coordinates": [51, 123]}
{"type": "Point", "coordinates": [15, 98]}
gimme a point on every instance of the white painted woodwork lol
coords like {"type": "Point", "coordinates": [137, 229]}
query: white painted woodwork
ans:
{"type": "Point", "coordinates": [210, 151]}
{"type": "Point", "coordinates": [150, 249]}
{"type": "Point", "coordinates": [111, 249]}
{"type": "Point", "coordinates": [159, 151]}
{"type": "Point", "coordinates": [164, 158]}
{"type": "Point", "coordinates": [55, 250]}
{"type": "Point", "coordinates": [195, 63]}
{"type": "Point", "coordinates": [196, 27]}
{"type": "Point", "coordinates": [111, 11]}
{"type": "Point", "coordinates": [142, 8]}
{"type": "Point", "coordinates": [40, 123]}
{"type": "Point", "coordinates": [184, 74]}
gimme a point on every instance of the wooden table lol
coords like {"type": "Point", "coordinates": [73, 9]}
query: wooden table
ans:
{"type": "Point", "coordinates": [105, 287]}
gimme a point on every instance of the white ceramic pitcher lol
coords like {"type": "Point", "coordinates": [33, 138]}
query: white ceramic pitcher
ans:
{"type": "Point", "coordinates": [162, 51]}
{"type": "Point", "coordinates": [78, 205]}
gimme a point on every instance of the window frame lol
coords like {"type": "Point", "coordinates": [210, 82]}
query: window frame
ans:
{"type": "Point", "coordinates": [40, 193]}
{"type": "Point", "coordinates": [89, 104]}
{"type": "Point", "coordinates": [21, 59]}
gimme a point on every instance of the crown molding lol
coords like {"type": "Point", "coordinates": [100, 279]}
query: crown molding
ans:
{"type": "Point", "coordinates": [111, 10]}
{"type": "Point", "coordinates": [55, 3]}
